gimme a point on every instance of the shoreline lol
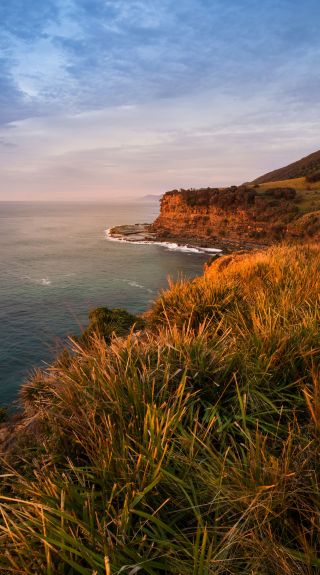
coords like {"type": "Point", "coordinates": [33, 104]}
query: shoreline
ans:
{"type": "Point", "coordinates": [140, 234]}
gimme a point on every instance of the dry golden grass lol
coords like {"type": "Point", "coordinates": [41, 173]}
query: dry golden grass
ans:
{"type": "Point", "coordinates": [297, 183]}
{"type": "Point", "coordinates": [190, 448]}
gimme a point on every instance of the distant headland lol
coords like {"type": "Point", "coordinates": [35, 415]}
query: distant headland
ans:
{"type": "Point", "coordinates": [281, 205]}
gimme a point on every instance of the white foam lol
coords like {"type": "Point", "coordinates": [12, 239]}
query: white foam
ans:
{"type": "Point", "coordinates": [171, 246]}
{"type": "Point", "coordinates": [40, 281]}
{"type": "Point", "coordinates": [134, 284]}
{"type": "Point", "coordinates": [137, 285]}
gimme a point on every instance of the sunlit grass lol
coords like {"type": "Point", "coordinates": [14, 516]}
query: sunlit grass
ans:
{"type": "Point", "coordinates": [308, 193]}
{"type": "Point", "coordinates": [297, 183]}
{"type": "Point", "coordinates": [188, 448]}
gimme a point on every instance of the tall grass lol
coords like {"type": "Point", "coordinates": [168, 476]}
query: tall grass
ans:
{"type": "Point", "coordinates": [188, 448]}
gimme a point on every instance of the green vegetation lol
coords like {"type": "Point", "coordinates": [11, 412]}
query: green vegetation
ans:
{"type": "Point", "coordinates": [307, 198]}
{"type": "Point", "coordinates": [191, 447]}
{"type": "Point", "coordinates": [285, 200]}
{"type": "Point", "coordinates": [106, 322]}
{"type": "Point", "coordinates": [3, 414]}
{"type": "Point", "coordinates": [315, 177]}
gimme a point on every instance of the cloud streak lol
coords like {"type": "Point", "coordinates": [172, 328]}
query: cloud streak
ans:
{"type": "Point", "coordinates": [99, 96]}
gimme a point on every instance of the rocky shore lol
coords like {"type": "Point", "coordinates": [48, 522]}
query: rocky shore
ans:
{"type": "Point", "coordinates": [132, 233]}
{"type": "Point", "coordinates": [143, 233]}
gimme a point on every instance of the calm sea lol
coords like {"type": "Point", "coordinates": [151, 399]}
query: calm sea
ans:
{"type": "Point", "coordinates": [56, 264]}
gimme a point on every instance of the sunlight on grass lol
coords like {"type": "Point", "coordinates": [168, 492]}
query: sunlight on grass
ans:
{"type": "Point", "coordinates": [188, 447]}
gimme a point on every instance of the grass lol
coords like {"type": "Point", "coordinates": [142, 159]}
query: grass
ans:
{"type": "Point", "coordinates": [308, 193]}
{"type": "Point", "coordinates": [297, 183]}
{"type": "Point", "coordinates": [190, 447]}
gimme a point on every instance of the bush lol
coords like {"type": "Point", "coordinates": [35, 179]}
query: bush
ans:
{"type": "Point", "coordinates": [3, 414]}
{"type": "Point", "coordinates": [257, 234]}
{"type": "Point", "coordinates": [106, 322]}
{"type": "Point", "coordinates": [281, 193]}
{"type": "Point", "coordinates": [227, 198]}
{"type": "Point", "coordinates": [315, 177]}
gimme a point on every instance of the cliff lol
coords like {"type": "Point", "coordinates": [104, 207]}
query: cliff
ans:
{"type": "Point", "coordinates": [248, 214]}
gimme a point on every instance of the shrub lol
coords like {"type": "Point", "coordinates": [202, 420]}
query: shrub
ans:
{"type": "Point", "coordinates": [315, 177]}
{"type": "Point", "coordinates": [3, 414]}
{"type": "Point", "coordinates": [106, 322]}
{"type": "Point", "coordinates": [228, 198]}
{"type": "Point", "coordinates": [257, 234]}
{"type": "Point", "coordinates": [281, 193]}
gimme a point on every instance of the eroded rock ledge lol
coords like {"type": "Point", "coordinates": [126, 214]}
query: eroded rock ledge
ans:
{"type": "Point", "coordinates": [144, 233]}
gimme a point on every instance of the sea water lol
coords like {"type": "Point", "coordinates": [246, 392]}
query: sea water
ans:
{"type": "Point", "coordinates": [57, 263]}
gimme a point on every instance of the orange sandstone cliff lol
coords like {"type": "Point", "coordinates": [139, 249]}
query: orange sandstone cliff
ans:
{"type": "Point", "coordinates": [244, 215]}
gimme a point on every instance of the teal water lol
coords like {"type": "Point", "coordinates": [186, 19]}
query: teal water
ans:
{"type": "Point", "coordinates": [56, 264]}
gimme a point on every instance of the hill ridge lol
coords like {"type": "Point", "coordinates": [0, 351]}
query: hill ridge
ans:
{"type": "Point", "coordinates": [300, 168]}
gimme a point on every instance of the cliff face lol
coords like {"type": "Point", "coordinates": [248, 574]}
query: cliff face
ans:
{"type": "Point", "coordinates": [238, 215]}
{"type": "Point", "coordinates": [181, 218]}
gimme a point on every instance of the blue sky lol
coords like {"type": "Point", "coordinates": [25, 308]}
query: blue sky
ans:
{"type": "Point", "coordinates": [110, 98]}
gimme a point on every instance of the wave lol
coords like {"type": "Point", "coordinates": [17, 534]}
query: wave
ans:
{"type": "Point", "coordinates": [40, 281]}
{"type": "Point", "coordinates": [133, 283]}
{"type": "Point", "coordinates": [171, 246]}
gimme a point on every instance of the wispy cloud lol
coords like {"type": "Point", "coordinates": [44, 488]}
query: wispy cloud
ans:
{"type": "Point", "coordinates": [105, 94]}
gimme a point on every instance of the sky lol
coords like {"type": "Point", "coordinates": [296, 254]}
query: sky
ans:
{"type": "Point", "coordinates": [103, 99]}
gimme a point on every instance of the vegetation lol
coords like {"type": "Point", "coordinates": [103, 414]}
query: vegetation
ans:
{"type": "Point", "coordinates": [3, 414]}
{"type": "Point", "coordinates": [190, 447]}
{"type": "Point", "coordinates": [106, 322]}
{"type": "Point", "coordinates": [263, 213]}
{"type": "Point", "coordinates": [225, 198]}
{"type": "Point", "coordinates": [302, 168]}
{"type": "Point", "coordinates": [299, 195]}
{"type": "Point", "coordinates": [315, 177]}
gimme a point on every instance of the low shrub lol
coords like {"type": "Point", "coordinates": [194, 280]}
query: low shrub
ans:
{"type": "Point", "coordinates": [315, 177]}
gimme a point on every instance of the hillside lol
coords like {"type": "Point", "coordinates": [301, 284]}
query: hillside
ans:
{"type": "Point", "coordinates": [302, 168]}
{"type": "Point", "coordinates": [189, 446]}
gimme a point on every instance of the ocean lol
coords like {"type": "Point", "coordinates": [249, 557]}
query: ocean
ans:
{"type": "Point", "coordinates": [56, 264]}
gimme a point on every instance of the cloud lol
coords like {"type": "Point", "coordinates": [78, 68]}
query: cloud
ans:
{"type": "Point", "coordinates": [165, 144]}
{"type": "Point", "coordinates": [105, 94]}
